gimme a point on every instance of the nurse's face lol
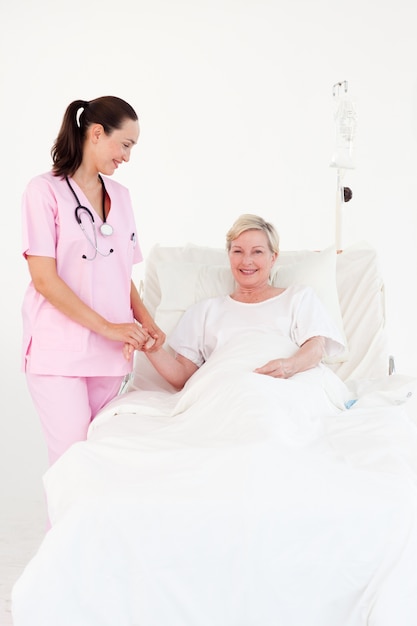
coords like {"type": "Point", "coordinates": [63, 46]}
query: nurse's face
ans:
{"type": "Point", "coordinates": [114, 149]}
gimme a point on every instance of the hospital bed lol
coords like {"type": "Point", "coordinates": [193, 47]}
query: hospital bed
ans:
{"type": "Point", "coordinates": [231, 503]}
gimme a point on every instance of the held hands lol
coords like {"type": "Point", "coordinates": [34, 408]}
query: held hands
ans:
{"type": "Point", "coordinates": [134, 337]}
{"type": "Point", "coordinates": [156, 337]}
{"type": "Point", "coordinates": [150, 341]}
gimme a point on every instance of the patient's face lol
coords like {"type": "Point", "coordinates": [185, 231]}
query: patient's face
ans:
{"type": "Point", "coordinates": [251, 259]}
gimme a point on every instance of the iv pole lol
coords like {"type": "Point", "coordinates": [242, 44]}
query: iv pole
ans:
{"type": "Point", "coordinates": [345, 121]}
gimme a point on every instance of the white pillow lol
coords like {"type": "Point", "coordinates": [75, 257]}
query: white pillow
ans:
{"type": "Point", "coordinates": [189, 253]}
{"type": "Point", "coordinates": [182, 283]}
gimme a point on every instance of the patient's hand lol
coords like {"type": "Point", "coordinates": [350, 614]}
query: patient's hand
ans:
{"type": "Point", "coordinates": [308, 355]}
{"type": "Point", "coordinates": [156, 339]}
{"type": "Point", "coordinates": [150, 345]}
{"type": "Point", "coordinates": [147, 345]}
{"type": "Point", "coordinates": [277, 368]}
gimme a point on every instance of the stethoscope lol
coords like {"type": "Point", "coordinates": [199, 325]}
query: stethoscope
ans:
{"type": "Point", "coordinates": [106, 229]}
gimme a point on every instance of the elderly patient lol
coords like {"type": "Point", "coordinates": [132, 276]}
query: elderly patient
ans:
{"type": "Point", "coordinates": [295, 312]}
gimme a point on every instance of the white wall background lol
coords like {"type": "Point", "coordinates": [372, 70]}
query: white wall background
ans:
{"type": "Point", "coordinates": [236, 112]}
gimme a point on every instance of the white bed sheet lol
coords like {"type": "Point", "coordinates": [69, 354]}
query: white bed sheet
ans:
{"type": "Point", "coordinates": [240, 501]}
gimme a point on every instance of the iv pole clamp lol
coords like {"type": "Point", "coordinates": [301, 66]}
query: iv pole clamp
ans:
{"type": "Point", "coordinates": [342, 159]}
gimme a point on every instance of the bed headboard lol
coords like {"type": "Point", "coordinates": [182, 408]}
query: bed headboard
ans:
{"type": "Point", "coordinates": [349, 284]}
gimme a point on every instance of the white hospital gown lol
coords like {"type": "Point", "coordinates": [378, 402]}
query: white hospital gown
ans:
{"type": "Point", "coordinates": [296, 313]}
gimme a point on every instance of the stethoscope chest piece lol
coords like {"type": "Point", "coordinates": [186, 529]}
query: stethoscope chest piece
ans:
{"type": "Point", "coordinates": [106, 229]}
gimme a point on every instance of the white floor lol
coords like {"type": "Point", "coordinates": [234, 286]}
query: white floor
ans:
{"type": "Point", "coordinates": [22, 527]}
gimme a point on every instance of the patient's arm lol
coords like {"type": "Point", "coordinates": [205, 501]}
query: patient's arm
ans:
{"type": "Point", "coordinates": [307, 356]}
{"type": "Point", "coordinates": [176, 370]}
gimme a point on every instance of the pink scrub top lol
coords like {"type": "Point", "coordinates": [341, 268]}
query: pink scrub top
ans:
{"type": "Point", "coordinates": [56, 344]}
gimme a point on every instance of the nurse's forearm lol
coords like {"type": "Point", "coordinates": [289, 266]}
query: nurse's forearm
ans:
{"type": "Point", "coordinates": [140, 311]}
{"type": "Point", "coordinates": [142, 315]}
{"type": "Point", "coordinates": [47, 282]}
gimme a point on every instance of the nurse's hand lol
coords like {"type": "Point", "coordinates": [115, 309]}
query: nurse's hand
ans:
{"type": "Point", "coordinates": [128, 351]}
{"type": "Point", "coordinates": [146, 346]}
{"type": "Point", "coordinates": [129, 333]}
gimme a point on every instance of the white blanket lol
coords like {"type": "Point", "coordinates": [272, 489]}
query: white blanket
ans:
{"type": "Point", "coordinates": [242, 500]}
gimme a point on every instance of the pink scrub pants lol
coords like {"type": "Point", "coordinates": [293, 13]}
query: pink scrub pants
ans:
{"type": "Point", "coordinates": [66, 406]}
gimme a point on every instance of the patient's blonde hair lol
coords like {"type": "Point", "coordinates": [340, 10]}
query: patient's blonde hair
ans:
{"type": "Point", "coordinates": [253, 222]}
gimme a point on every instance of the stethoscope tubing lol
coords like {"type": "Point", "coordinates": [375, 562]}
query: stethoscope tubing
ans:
{"type": "Point", "coordinates": [105, 229]}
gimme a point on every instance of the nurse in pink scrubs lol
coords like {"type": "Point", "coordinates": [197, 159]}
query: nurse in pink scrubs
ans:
{"type": "Point", "coordinates": [82, 314]}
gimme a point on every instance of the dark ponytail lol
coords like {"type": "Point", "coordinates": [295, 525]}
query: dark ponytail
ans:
{"type": "Point", "coordinates": [67, 151]}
